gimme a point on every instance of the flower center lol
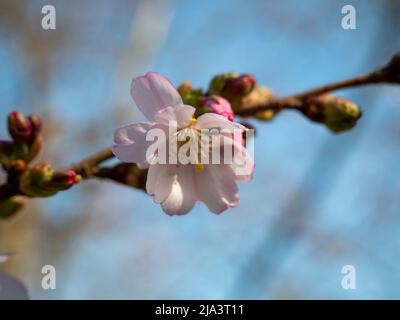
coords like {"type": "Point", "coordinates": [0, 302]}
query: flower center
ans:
{"type": "Point", "coordinates": [192, 122]}
{"type": "Point", "coordinates": [189, 139]}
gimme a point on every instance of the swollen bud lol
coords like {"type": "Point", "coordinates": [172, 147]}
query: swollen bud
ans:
{"type": "Point", "coordinates": [338, 114]}
{"type": "Point", "coordinates": [43, 181]}
{"type": "Point", "coordinates": [63, 180]}
{"type": "Point", "coordinates": [260, 95]}
{"type": "Point", "coordinates": [239, 87]}
{"type": "Point", "coordinates": [233, 87]}
{"type": "Point", "coordinates": [19, 127]}
{"type": "Point", "coordinates": [36, 123]}
{"type": "Point", "coordinates": [26, 133]}
{"type": "Point", "coordinates": [36, 139]}
{"type": "Point", "coordinates": [216, 105]}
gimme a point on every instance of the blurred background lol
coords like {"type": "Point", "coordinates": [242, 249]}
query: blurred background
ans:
{"type": "Point", "coordinates": [318, 201]}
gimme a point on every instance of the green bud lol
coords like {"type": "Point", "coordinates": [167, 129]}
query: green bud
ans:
{"type": "Point", "coordinates": [32, 181]}
{"type": "Point", "coordinates": [189, 95]}
{"type": "Point", "coordinates": [260, 95]}
{"type": "Point", "coordinates": [62, 180]}
{"type": "Point", "coordinates": [41, 172]}
{"type": "Point", "coordinates": [11, 206]}
{"type": "Point", "coordinates": [338, 114]}
{"type": "Point", "coordinates": [43, 181]}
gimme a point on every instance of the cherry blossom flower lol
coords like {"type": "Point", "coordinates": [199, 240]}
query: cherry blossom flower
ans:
{"type": "Point", "coordinates": [177, 185]}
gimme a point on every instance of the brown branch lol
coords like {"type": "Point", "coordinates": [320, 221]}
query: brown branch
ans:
{"type": "Point", "coordinates": [89, 166]}
{"type": "Point", "coordinates": [383, 75]}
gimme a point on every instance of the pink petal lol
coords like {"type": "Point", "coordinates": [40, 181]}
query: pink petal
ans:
{"type": "Point", "coordinates": [183, 193]}
{"type": "Point", "coordinates": [240, 161]}
{"type": "Point", "coordinates": [216, 187]}
{"type": "Point", "coordinates": [153, 92]}
{"type": "Point", "coordinates": [213, 120]}
{"type": "Point", "coordinates": [181, 115]}
{"type": "Point", "coordinates": [130, 142]}
{"type": "Point", "coordinates": [132, 132]}
{"type": "Point", "coordinates": [159, 181]}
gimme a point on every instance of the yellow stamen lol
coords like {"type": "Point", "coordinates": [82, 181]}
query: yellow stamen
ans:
{"type": "Point", "coordinates": [192, 121]}
{"type": "Point", "coordinates": [199, 166]}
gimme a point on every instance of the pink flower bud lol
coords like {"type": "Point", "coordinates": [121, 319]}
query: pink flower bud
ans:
{"type": "Point", "coordinates": [240, 86]}
{"type": "Point", "coordinates": [43, 181]}
{"type": "Point", "coordinates": [36, 123]}
{"type": "Point", "coordinates": [64, 180]}
{"type": "Point", "coordinates": [218, 105]}
{"type": "Point", "coordinates": [19, 127]}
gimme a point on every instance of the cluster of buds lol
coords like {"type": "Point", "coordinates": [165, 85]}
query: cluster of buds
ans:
{"type": "Point", "coordinates": [27, 179]}
{"type": "Point", "coordinates": [227, 93]}
{"type": "Point", "coordinates": [42, 181]}
{"type": "Point", "coordinates": [233, 87]}
{"type": "Point", "coordinates": [26, 141]}
{"type": "Point", "coordinates": [205, 103]}
{"type": "Point", "coordinates": [338, 114]}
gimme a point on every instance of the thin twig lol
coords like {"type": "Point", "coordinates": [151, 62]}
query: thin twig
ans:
{"type": "Point", "coordinates": [297, 100]}
{"type": "Point", "coordinates": [87, 167]}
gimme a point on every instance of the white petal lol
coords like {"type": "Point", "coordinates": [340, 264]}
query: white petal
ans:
{"type": "Point", "coordinates": [153, 92]}
{"type": "Point", "coordinates": [216, 187]}
{"type": "Point", "coordinates": [183, 193]}
{"type": "Point", "coordinates": [160, 179]}
{"type": "Point", "coordinates": [181, 115]}
{"type": "Point", "coordinates": [240, 160]}
{"type": "Point", "coordinates": [130, 142]}
{"type": "Point", "coordinates": [130, 133]}
{"type": "Point", "coordinates": [213, 120]}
